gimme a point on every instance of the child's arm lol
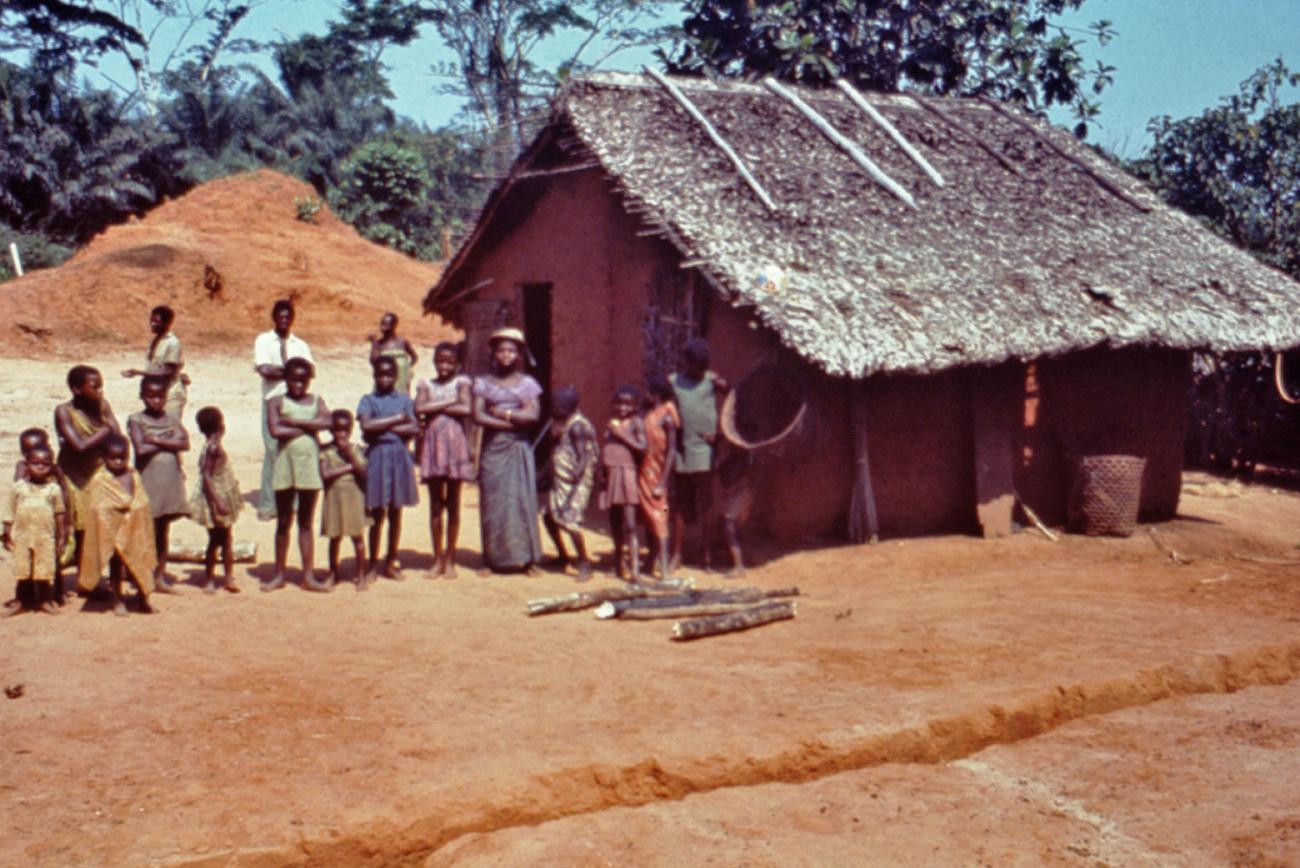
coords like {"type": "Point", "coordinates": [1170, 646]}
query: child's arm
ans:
{"type": "Point", "coordinates": [140, 442]}
{"type": "Point", "coordinates": [631, 432]}
{"type": "Point", "coordinates": [74, 441]}
{"type": "Point", "coordinates": [330, 473]}
{"type": "Point", "coordinates": [670, 460]}
{"type": "Point", "coordinates": [320, 422]}
{"type": "Point", "coordinates": [280, 428]}
{"type": "Point", "coordinates": [20, 469]}
{"type": "Point", "coordinates": [61, 529]}
{"type": "Point", "coordinates": [582, 437]}
{"type": "Point", "coordinates": [6, 538]}
{"type": "Point", "coordinates": [177, 440]}
{"type": "Point", "coordinates": [426, 406]}
{"type": "Point", "coordinates": [109, 419]}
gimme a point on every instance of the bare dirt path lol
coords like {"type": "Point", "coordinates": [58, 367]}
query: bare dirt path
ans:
{"type": "Point", "coordinates": [1009, 701]}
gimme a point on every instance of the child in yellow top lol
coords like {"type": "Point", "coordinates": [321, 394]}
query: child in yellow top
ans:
{"type": "Point", "coordinates": [35, 531]}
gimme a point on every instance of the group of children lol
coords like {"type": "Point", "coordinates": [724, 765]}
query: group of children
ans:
{"type": "Point", "coordinates": [92, 508]}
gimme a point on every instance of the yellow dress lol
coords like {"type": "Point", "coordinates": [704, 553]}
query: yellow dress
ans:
{"type": "Point", "coordinates": [79, 468]}
{"type": "Point", "coordinates": [117, 523]}
{"type": "Point", "coordinates": [32, 509]}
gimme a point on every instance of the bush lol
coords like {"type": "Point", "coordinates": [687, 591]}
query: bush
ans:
{"type": "Point", "coordinates": [36, 251]}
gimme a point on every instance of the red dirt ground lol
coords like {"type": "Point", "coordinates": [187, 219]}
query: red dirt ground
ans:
{"type": "Point", "coordinates": [937, 701]}
{"type": "Point", "coordinates": [241, 231]}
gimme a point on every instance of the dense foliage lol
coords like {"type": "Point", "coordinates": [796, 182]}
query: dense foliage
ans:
{"type": "Point", "coordinates": [1006, 49]}
{"type": "Point", "coordinates": [1237, 167]}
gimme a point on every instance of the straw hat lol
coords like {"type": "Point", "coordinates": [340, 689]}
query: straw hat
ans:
{"type": "Point", "coordinates": [508, 334]}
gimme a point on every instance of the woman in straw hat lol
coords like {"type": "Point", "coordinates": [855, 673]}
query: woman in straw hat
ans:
{"type": "Point", "coordinates": [507, 405]}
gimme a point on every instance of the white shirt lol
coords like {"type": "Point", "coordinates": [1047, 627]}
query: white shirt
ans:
{"type": "Point", "coordinates": [267, 351]}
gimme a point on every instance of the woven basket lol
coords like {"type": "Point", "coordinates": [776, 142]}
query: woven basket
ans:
{"type": "Point", "coordinates": [1107, 493]}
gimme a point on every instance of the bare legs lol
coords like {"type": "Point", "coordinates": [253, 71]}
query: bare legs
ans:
{"type": "Point", "coordinates": [391, 568]}
{"type": "Point", "coordinates": [444, 494]}
{"type": "Point", "coordinates": [284, 513]}
{"type": "Point", "coordinates": [359, 549]}
{"type": "Point", "coordinates": [622, 520]}
{"type": "Point", "coordinates": [117, 576]}
{"type": "Point", "coordinates": [219, 539]}
{"type": "Point", "coordinates": [161, 533]}
{"type": "Point", "coordinates": [579, 547]}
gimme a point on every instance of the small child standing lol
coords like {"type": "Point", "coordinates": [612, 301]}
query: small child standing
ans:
{"type": "Point", "coordinates": [387, 419]}
{"type": "Point", "coordinates": [662, 423]}
{"type": "Point", "coordinates": [28, 440]}
{"type": "Point", "coordinates": [216, 500]}
{"type": "Point", "coordinates": [624, 440]}
{"type": "Point", "coordinates": [35, 531]}
{"type": "Point", "coordinates": [574, 461]}
{"type": "Point", "coordinates": [343, 514]}
{"type": "Point", "coordinates": [119, 528]}
{"type": "Point", "coordinates": [736, 474]}
{"type": "Point", "coordinates": [443, 403]}
{"type": "Point", "coordinates": [294, 419]}
{"type": "Point", "coordinates": [158, 439]}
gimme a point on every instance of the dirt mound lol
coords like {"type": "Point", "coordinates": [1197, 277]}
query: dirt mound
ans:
{"type": "Point", "coordinates": [219, 256]}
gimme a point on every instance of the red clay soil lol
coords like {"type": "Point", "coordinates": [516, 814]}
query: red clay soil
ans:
{"type": "Point", "coordinates": [219, 256]}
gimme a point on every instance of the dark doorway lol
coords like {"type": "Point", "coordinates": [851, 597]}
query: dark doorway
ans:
{"type": "Point", "coordinates": [537, 330]}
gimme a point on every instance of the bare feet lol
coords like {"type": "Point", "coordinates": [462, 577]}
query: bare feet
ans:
{"type": "Point", "coordinates": [210, 587]}
{"type": "Point", "coordinates": [275, 584]}
{"type": "Point", "coordinates": [311, 583]}
{"type": "Point", "coordinates": [119, 609]}
{"type": "Point", "coordinates": [449, 569]}
{"type": "Point", "coordinates": [50, 609]}
{"type": "Point", "coordinates": [232, 587]}
{"type": "Point", "coordinates": [531, 571]}
{"type": "Point", "coordinates": [162, 583]}
{"type": "Point", "coordinates": [393, 570]}
{"type": "Point", "coordinates": [584, 571]}
{"type": "Point", "coordinates": [363, 582]}
{"type": "Point", "coordinates": [145, 606]}
{"type": "Point", "coordinates": [734, 573]}
{"type": "Point", "coordinates": [14, 603]}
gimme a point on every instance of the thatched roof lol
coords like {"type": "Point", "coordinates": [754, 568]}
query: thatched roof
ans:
{"type": "Point", "coordinates": [1060, 251]}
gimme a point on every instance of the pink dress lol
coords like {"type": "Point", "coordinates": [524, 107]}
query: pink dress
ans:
{"type": "Point", "coordinates": [444, 449]}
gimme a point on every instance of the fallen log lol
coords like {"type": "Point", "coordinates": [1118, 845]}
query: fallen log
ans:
{"type": "Point", "coordinates": [193, 553]}
{"type": "Point", "coordinates": [714, 625]}
{"type": "Point", "coordinates": [617, 608]}
{"type": "Point", "coordinates": [656, 613]}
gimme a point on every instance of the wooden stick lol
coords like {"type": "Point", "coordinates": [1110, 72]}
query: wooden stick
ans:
{"type": "Point", "coordinates": [714, 625]}
{"type": "Point", "coordinates": [1279, 562]}
{"type": "Point", "coordinates": [685, 102]}
{"type": "Point", "coordinates": [582, 600]}
{"type": "Point", "coordinates": [1160, 544]}
{"type": "Point", "coordinates": [864, 524]}
{"type": "Point", "coordinates": [966, 131]}
{"type": "Point", "coordinates": [1038, 522]}
{"type": "Point", "coordinates": [890, 130]}
{"type": "Point", "coordinates": [441, 304]}
{"type": "Point", "coordinates": [558, 170]}
{"type": "Point", "coordinates": [842, 142]}
{"type": "Point", "coordinates": [697, 610]}
{"type": "Point", "coordinates": [1101, 180]}
{"type": "Point", "coordinates": [737, 596]}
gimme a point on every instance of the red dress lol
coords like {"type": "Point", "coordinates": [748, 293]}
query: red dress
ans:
{"type": "Point", "coordinates": [652, 466]}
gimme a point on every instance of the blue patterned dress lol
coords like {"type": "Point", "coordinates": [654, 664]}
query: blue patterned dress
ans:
{"type": "Point", "coordinates": [390, 473]}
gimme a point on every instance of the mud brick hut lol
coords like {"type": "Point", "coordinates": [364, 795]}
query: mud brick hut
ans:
{"type": "Point", "coordinates": [964, 320]}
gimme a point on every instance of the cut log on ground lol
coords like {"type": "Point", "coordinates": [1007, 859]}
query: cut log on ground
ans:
{"type": "Point", "coordinates": [734, 596]}
{"type": "Point", "coordinates": [715, 625]}
{"type": "Point", "coordinates": [663, 613]}
{"type": "Point", "coordinates": [193, 553]}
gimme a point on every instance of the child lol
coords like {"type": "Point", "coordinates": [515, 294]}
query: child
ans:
{"type": "Point", "coordinates": [30, 439]}
{"type": "Point", "coordinates": [443, 403]}
{"type": "Point", "coordinates": [387, 419]}
{"type": "Point", "coordinates": [83, 424]}
{"type": "Point", "coordinates": [35, 531]}
{"type": "Point", "coordinates": [216, 501]}
{"type": "Point", "coordinates": [293, 419]}
{"type": "Point", "coordinates": [662, 423]}
{"type": "Point", "coordinates": [697, 390]}
{"type": "Point", "coordinates": [119, 528]}
{"type": "Point", "coordinates": [343, 470]}
{"type": "Point", "coordinates": [736, 473]}
{"type": "Point", "coordinates": [574, 460]}
{"type": "Point", "coordinates": [624, 440]}
{"type": "Point", "coordinates": [391, 345]}
{"type": "Point", "coordinates": [158, 439]}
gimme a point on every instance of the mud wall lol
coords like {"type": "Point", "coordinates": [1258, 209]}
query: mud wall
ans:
{"type": "Point", "coordinates": [1131, 402]}
{"type": "Point", "coordinates": [920, 443]}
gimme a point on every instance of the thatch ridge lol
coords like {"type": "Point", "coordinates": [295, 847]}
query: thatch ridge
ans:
{"type": "Point", "coordinates": [994, 265]}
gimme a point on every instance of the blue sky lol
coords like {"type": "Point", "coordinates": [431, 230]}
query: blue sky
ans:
{"type": "Point", "coordinates": [1173, 57]}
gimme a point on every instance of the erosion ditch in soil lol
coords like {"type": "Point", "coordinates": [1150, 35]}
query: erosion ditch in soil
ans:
{"type": "Point", "coordinates": [588, 789]}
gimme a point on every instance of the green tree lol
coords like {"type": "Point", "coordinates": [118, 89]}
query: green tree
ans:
{"type": "Point", "coordinates": [1236, 166]}
{"type": "Point", "coordinates": [1005, 49]}
{"type": "Point", "coordinates": [381, 193]}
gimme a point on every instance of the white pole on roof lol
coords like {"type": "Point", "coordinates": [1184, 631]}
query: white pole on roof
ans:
{"type": "Point", "coordinates": [685, 102]}
{"type": "Point", "coordinates": [890, 130]}
{"type": "Point", "coordinates": [18, 262]}
{"type": "Point", "coordinates": [855, 153]}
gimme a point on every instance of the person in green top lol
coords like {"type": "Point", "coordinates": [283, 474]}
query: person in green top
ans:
{"type": "Point", "coordinates": [698, 391]}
